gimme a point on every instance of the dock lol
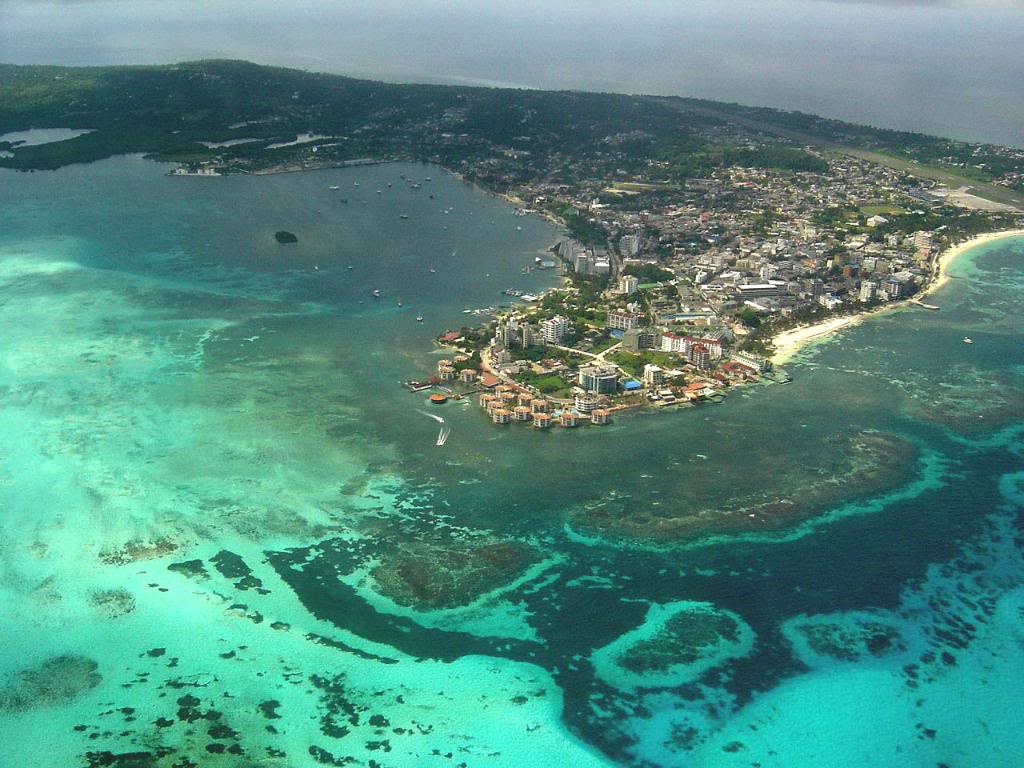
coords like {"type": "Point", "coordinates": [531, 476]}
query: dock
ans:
{"type": "Point", "coordinates": [919, 303]}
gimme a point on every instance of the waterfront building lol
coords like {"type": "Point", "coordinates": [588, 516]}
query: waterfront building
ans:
{"type": "Point", "coordinates": [654, 376]}
{"type": "Point", "coordinates": [486, 400]}
{"type": "Point", "coordinates": [501, 416]}
{"type": "Point", "coordinates": [568, 419]}
{"type": "Point", "coordinates": [622, 321]}
{"type": "Point", "coordinates": [584, 402]}
{"type": "Point", "coordinates": [525, 398]}
{"type": "Point", "coordinates": [542, 420]}
{"type": "Point", "coordinates": [759, 364]}
{"type": "Point", "coordinates": [599, 416]}
{"type": "Point", "coordinates": [867, 290]}
{"type": "Point", "coordinates": [897, 286]}
{"type": "Point", "coordinates": [522, 413]}
{"type": "Point", "coordinates": [446, 374]}
{"type": "Point", "coordinates": [600, 379]}
{"type": "Point", "coordinates": [467, 376]}
{"type": "Point", "coordinates": [554, 329]}
{"type": "Point", "coordinates": [539, 405]}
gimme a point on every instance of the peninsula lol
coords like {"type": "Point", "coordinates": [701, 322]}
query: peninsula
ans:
{"type": "Point", "coordinates": [705, 242]}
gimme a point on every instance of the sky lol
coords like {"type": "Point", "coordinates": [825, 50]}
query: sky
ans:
{"type": "Point", "coordinates": [952, 68]}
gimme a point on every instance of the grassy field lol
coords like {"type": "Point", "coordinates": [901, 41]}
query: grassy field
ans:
{"type": "Point", "coordinates": [882, 210]}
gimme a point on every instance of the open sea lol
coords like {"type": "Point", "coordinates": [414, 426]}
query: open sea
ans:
{"type": "Point", "coordinates": [228, 537]}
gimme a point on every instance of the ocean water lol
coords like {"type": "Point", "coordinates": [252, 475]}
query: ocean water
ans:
{"type": "Point", "coordinates": [227, 536]}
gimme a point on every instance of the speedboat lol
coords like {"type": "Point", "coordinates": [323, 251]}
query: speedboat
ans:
{"type": "Point", "coordinates": [334, 187]}
{"type": "Point", "coordinates": [376, 293]}
{"type": "Point", "coordinates": [968, 340]}
{"type": "Point", "coordinates": [419, 318]}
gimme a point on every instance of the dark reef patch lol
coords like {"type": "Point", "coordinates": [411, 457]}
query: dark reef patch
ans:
{"type": "Point", "coordinates": [112, 603]}
{"type": "Point", "coordinates": [867, 463]}
{"type": "Point", "coordinates": [52, 683]}
{"type": "Point", "coordinates": [232, 566]}
{"type": "Point", "coordinates": [431, 575]}
{"type": "Point", "coordinates": [852, 641]}
{"type": "Point", "coordinates": [138, 550]}
{"type": "Point", "coordinates": [194, 569]}
{"type": "Point", "coordinates": [682, 639]}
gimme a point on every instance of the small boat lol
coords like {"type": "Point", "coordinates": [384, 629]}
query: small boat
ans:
{"type": "Point", "coordinates": [389, 185]}
{"type": "Point", "coordinates": [355, 183]}
{"type": "Point", "coordinates": [968, 340]}
{"type": "Point", "coordinates": [433, 271]}
{"type": "Point", "coordinates": [419, 318]}
{"type": "Point", "coordinates": [334, 188]}
{"type": "Point", "coordinates": [399, 303]}
{"type": "Point", "coordinates": [376, 293]}
{"type": "Point", "coordinates": [349, 266]}
{"type": "Point", "coordinates": [403, 216]}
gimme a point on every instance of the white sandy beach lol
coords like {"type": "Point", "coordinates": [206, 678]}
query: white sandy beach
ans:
{"type": "Point", "coordinates": [789, 342]}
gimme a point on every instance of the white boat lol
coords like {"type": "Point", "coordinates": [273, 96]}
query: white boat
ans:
{"type": "Point", "coordinates": [334, 187]}
{"type": "Point", "coordinates": [419, 318]}
{"type": "Point", "coordinates": [376, 293]}
{"type": "Point", "coordinates": [968, 340]}
{"type": "Point", "coordinates": [399, 303]}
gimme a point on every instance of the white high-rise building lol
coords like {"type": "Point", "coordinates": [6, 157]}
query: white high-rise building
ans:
{"type": "Point", "coordinates": [628, 284]}
{"type": "Point", "coordinates": [867, 290]}
{"type": "Point", "coordinates": [629, 245]}
{"type": "Point", "coordinates": [553, 329]}
{"type": "Point", "coordinates": [654, 376]}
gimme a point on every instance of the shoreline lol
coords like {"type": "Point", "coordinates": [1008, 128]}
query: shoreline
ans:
{"type": "Point", "coordinates": [787, 343]}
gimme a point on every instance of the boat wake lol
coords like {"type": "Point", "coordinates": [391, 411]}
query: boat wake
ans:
{"type": "Point", "coordinates": [442, 435]}
{"type": "Point", "coordinates": [433, 416]}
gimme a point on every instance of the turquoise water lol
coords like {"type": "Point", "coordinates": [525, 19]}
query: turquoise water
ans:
{"type": "Point", "coordinates": [227, 535]}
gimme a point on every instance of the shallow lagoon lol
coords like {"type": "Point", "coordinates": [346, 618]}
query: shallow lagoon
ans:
{"type": "Point", "coordinates": [213, 488]}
